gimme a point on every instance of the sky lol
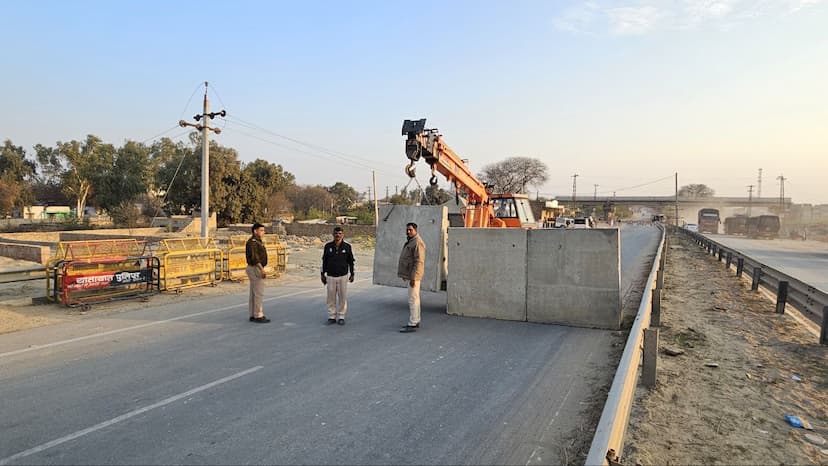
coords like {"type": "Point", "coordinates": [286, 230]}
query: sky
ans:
{"type": "Point", "coordinates": [623, 93]}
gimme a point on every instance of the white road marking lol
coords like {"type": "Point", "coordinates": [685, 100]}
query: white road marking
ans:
{"type": "Point", "coordinates": [123, 417]}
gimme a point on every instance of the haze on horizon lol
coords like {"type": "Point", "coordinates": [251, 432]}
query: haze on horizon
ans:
{"type": "Point", "coordinates": [621, 92]}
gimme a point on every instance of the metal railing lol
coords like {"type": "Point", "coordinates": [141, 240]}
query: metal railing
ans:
{"type": "Point", "coordinates": [609, 435]}
{"type": "Point", "coordinates": [808, 299]}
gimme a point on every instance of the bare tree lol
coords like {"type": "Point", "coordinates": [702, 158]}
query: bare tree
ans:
{"type": "Point", "coordinates": [514, 174]}
{"type": "Point", "coordinates": [695, 191]}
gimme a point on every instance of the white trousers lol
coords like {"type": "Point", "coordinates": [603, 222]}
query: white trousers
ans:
{"type": "Point", "coordinates": [337, 291]}
{"type": "Point", "coordinates": [414, 303]}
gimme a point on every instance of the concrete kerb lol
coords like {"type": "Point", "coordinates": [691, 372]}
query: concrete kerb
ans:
{"type": "Point", "coordinates": [608, 440]}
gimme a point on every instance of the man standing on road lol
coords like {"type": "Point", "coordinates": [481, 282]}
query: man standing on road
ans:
{"type": "Point", "coordinates": [256, 254]}
{"type": "Point", "coordinates": [337, 262]}
{"type": "Point", "coordinates": [410, 268]}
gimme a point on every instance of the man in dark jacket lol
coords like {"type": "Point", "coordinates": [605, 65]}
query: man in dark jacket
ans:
{"type": "Point", "coordinates": [256, 254]}
{"type": "Point", "coordinates": [337, 263]}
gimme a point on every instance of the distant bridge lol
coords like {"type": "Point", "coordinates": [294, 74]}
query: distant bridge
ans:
{"type": "Point", "coordinates": [688, 206]}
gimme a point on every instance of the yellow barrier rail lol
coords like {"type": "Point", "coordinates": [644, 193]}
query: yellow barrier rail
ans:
{"type": "Point", "coordinates": [189, 262]}
{"type": "Point", "coordinates": [235, 262]}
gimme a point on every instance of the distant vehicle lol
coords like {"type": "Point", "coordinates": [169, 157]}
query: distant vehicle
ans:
{"type": "Point", "coordinates": [709, 221]}
{"type": "Point", "coordinates": [691, 227]}
{"type": "Point", "coordinates": [580, 223]}
{"type": "Point", "coordinates": [763, 226]}
{"type": "Point", "coordinates": [659, 218]}
{"type": "Point", "coordinates": [736, 225]}
{"type": "Point", "coordinates": [563, 222]}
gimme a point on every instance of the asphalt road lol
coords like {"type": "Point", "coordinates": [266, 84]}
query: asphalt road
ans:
{"type": "Point", "coordinates": [805, 260]}
{"type": "Point", "coordinates": [196, 383]}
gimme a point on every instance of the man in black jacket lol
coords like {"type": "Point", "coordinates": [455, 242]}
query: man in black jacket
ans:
{"type": "Point", "coordinates": [337, 262]}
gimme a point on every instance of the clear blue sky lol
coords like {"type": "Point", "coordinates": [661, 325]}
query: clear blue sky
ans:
{"type": "Point", "coordinates": [620, 92]}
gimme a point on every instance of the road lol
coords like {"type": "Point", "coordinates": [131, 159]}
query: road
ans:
{"type": "Point", "coordinates": [195, 383]}
{"type": "Point", "coordinates": [806, 261]}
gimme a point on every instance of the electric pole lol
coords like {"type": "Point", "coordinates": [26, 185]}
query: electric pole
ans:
{"type": "Point", "coordinates": [574, 188]}
{"type": "Point", "coordinates": [750, 198]}
{"type": "Point", "coordinates": [759, 186]}
{"type": "Point", "coordinates": [595, 193]}
{"type": "Point", "coordinates": [781, 179]}
{"type": "Point", "coordinates": [676, 220]}
{"type": "Point", "coordinates": [376, 204]}
{"type": "Point", "coordinates": [205, 129]}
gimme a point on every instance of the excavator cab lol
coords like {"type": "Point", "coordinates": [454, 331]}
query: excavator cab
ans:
{"type": "Point", "coordinates": [513, 210]}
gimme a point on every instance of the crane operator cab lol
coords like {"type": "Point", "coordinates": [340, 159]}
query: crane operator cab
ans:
{"type": "Point", "coordinates": [513, 210]}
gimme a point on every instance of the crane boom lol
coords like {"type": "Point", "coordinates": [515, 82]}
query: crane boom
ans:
{"type": "Point", "coordinates": [428, 144]}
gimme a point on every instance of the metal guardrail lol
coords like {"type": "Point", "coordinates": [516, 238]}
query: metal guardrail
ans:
{"type": "Point", "coordinates": [609, 435]}
{"type": "Point", "coordinates": [808, 299]}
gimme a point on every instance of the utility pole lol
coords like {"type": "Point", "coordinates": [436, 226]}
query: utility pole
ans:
{"type": "Point", "coordinates": [574, 188]}
{"type": "Point", "coordinates": [750, 198]}
{"type": "Point", "coordinates": [759, 186]}
{"type": "Point", "coordinates": [376, 204]}
{"type": "Point", "coordinates": [781, 179]}
{"type": "Point", "coordinates": [205, 129]}
{"type": "Point", "coordinates": [387, 193]}
{"type": "Point", "coordinates": [595, 193]}
{"type": "Point", "coordinates": [676, 219]}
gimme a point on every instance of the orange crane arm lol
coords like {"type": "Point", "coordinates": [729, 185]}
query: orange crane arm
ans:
{"type": "Point", "coordinates": [429, 145]}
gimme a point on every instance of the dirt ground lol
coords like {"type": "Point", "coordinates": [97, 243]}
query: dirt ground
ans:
{"type": "Point", "coordinates": [733, 413]}
{"type": "Point", "coordinates": [304, 259]}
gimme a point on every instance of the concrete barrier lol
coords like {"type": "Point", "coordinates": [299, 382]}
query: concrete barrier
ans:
{"type": "Point", "coordinates": [323, 230]}
{"type": "Point", "coordinates": [487, 273]}
{"type": "Point", "coordinates": [432, 222]}
{"type": "Point", "coordinates": [574, 277]}
{"type": "Point", "coordinates": [33, 253]}
{"type": "Point", "coordinates": [568, 277]}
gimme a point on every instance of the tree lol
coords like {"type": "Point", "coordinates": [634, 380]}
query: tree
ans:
{"type": "Point", "coordinates": [696, 191]}
{"type": "Point", "coordinates": [17, 174]}
{"type": "Point", "coordinates": [120, 185]}
{"type": "Point", "coordinates": [514, 174]}
{"type": "Point", "coordinates": [343, 196]}
{"type": "Point", "coordinates": [271, 177]}
{"type": "Point", "coordinates": [309, 198]}
{"type": "Point", "coordinates": [435, 195]}
{"type": "Point", "coordinates": [77, 165]}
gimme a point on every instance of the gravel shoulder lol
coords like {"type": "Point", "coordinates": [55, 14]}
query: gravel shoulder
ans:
{"type": "Point", "coordinates": [733, 413]}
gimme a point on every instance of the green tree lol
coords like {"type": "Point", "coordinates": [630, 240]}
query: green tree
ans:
{"type": "Point", "coordinates": [308, 198]}
{"type": "Point", "coordinates": [17, 174]}
{"type": "Point", "coordinates": [514, 174]}
{"type": "Point", "coordinates": [120, 185]}
{"type": "Point", "coordinates": [78, 165]}
{"type": "Point", "coordinates": [435, 195]}
{"type": "Point", "coordinates": [344, 196]}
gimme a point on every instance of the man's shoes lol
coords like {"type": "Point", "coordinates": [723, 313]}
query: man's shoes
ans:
{"type": "Point", "coordinates": [261, 320]}
{"type": "Point", "coordinates": [331, 321]}
{"type": "Point", "coordinates": [252, 318]}
{"type": "Point", "coordinates": [410, 328]}
{"type": "Point", "coordinates": [341, 322]}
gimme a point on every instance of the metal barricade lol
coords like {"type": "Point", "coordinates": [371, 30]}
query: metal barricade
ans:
{"type": "Point", "coordinates": [86, 272]}
{"type": "Point", "coordinates": [188, 262]}
{"type": "Point", "coordinates": [235, 262]}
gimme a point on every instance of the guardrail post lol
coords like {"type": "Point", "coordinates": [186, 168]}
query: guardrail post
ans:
{"type": "Point", "coordinates": [728, 260]}
{"type": "Point", "coordinates": [660, 279]}
{"type": "Point", "coordinates": [740, 266]}
{"type": "Point", "coordinates": [655, 314]}
{"type": "Point", "coordinates": [721, 254]}
{"type": "Point", "coordinates": [648, 372]}
{"type": "Point", "coordinates": [823, 338]}
{"type": "Point", "coordinates": [781, 297]}
{"type": "Point", "coordinates": [757, 277]}
{"type": "Point", "coordinates": [663, 260]}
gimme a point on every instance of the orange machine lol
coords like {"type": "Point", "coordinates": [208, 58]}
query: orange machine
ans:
{"type": "Point", "coordinates": [482, 208]}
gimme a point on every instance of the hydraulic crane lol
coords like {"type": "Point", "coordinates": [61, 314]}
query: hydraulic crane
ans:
{"type": "Point", "coordinates": [482, 208]}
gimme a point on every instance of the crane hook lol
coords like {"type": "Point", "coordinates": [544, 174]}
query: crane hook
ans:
{"type": "Point", "coordinates": [410, 170]}
{"type": "Point", "coordinates": [433, 180]}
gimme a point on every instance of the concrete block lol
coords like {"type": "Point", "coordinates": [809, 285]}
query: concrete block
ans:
{"type": "Point", "coordinates": [487, 273]}
{"type": "Point", "coordinates": [432, 223]}
{"type": "Point", "coordinates": [574, 277]}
